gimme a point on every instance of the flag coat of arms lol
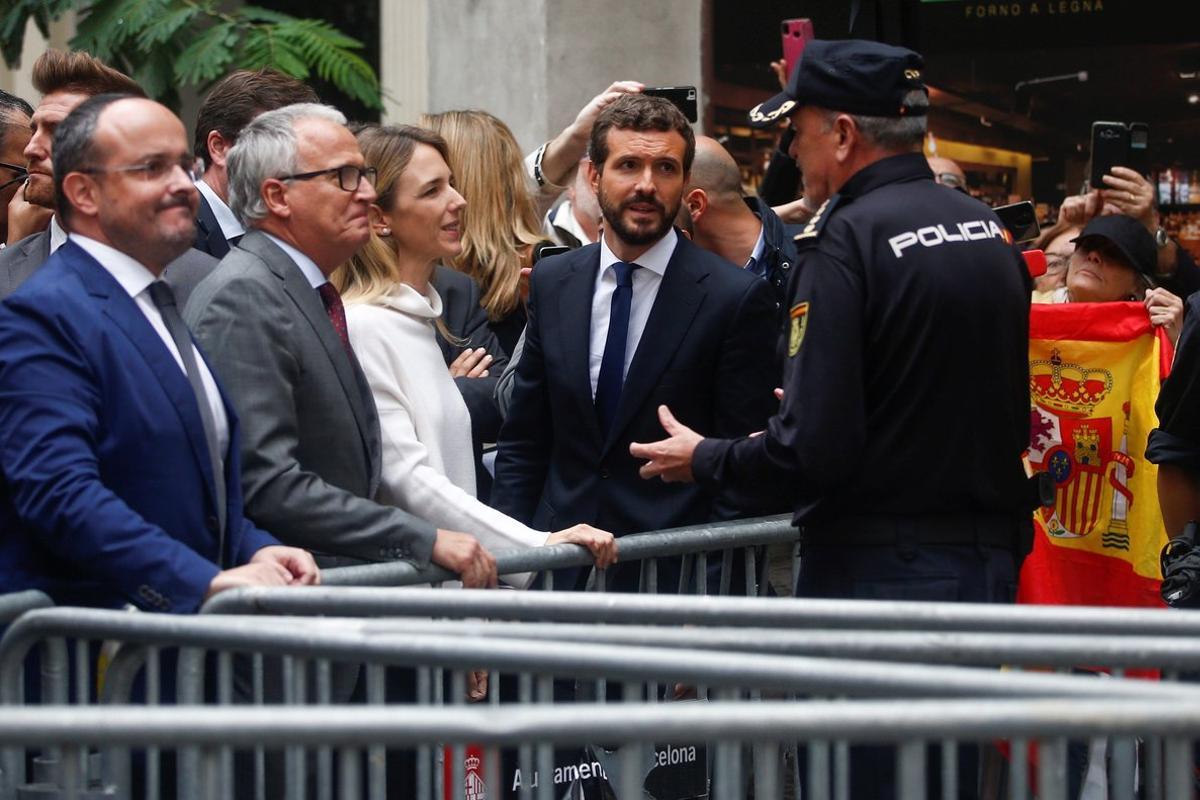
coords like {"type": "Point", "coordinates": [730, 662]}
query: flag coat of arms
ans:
{"type": "Point", "coordinates": [1094, 374]}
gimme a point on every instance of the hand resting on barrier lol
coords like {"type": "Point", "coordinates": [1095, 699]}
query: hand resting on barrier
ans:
{"type": "Point", "coordinates": [274, 565]}
{"type": "Point", "coordinates": [602, 544]}
{"type": "Point", "coordinates": [463, 554]}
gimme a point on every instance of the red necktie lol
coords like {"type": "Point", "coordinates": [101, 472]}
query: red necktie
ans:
{"type": "Point", "coordinates": [337, 313]}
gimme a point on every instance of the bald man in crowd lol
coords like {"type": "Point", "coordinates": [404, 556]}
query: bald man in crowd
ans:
{"type": "Point", "coordinates": [740, 229]}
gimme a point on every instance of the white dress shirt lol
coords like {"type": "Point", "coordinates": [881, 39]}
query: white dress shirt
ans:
{"type": "Point", "coordinates": [135, 279]}
{"type": "Point", "coordinates": [312, 272]}
{"type": "Point", "coordinates": [58, 237]}
{"type": "Point", "coordinates": [646, 280]}
{"type": "Point", "coordinates": [230, 226]}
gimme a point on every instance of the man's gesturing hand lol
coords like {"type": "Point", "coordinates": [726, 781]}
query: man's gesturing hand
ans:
{"type": "Point", "coordinates": [669, 459]}
{"type": "Point", "coordinates": [462, 553]}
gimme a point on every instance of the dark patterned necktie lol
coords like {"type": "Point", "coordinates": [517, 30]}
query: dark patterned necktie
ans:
{"type": "Point", "coordinates": [337, 313]}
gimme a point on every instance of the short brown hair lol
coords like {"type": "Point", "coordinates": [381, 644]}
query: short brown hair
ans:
{"type": "Point", "coordinates": [240, 97]}
{"type": "Point", "coordinates": [79, 72]}
{"type": "Point", "coordinates": [640, 112]}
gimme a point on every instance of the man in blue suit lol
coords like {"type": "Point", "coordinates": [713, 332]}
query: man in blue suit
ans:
{"type": "Point", "coordinates": [617, 328]}
{"type": "Point", "coordinates": [118, 448]}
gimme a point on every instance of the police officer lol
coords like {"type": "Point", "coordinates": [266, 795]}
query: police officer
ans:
{"type": "Point", "coordinates": [906, 387]}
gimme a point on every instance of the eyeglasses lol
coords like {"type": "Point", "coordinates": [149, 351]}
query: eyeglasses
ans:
{"type": "Point", "coordinates": [156, 169]}
{"type": "Point", "coordinates": [22, 174]}
{"type": "Point", "coordinates": [349, 176]}
{"type": "Point", "coordinates": [948, 179]}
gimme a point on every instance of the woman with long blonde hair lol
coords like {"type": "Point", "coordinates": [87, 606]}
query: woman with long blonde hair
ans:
{"type": "Point", "coordinates": [393, 316]}
{"type": "Point", "coordinates": [501, 224]}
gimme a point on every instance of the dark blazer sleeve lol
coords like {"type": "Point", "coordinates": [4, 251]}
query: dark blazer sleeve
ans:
{"type": "Point", "coordinates": [51, 417]}
{"type": "Point", "coordinates": [523, 455]}
{"type": "Point", "coordinates": [210, 239]}
{"type": "Point", "coordinates": [747, 373]}
{"type": "Point", "coordinates": [466, 320]}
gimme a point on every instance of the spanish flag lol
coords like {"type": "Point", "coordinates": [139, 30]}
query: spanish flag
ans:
{"type": "Point", "coordinates": [1094, 374]}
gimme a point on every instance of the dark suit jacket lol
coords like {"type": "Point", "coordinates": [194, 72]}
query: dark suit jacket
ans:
{"type": "Point", "coordinates": [108, 488]}
{"type": "Point", "coordinates": [701, 353]}
{"type": "Point", "coordinates": [311, 444]}
{"type": "Point", "coordinates": [466, 320]}
{"type": "Point", "coordinates": [24, 258]}
{"type": "Point", "coordinates": [210, 238]}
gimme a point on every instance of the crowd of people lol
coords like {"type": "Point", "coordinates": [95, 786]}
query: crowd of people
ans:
{"type": "Point", "coordinates": [286, 342]}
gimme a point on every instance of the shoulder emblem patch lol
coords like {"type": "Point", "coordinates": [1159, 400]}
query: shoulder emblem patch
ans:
{"type": "Point", "coordinates": [818, 220]}
{"type": "Point", "coordinates": [799, 316]}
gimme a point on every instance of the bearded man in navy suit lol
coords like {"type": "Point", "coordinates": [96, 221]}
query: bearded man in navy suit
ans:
{"type": "Point", "coordinates": [641, 319]}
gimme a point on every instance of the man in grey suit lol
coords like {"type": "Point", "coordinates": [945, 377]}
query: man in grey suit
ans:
{"type": "Point", "coordinates": [275, 330]}
{"type": "Point", "coordinates": [65, 80]}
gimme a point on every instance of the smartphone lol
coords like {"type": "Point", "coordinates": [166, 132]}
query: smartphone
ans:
{"type": "Point", "coordinates": [1110, 148]}
{"type": "Point", "coordinates": [1139, 148]}
{"type": "Point", "coordinates": [796, 33]}
{"type": "Point", "coordinates": [684, 98]}
{"type": "Point", "coordinates": [547, 250]}
{"type": "Point", "coordinates": [1020, 219]}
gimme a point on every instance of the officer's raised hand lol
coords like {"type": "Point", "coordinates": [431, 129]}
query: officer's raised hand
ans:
{"type": "Point", "coordinates": [671, 458]}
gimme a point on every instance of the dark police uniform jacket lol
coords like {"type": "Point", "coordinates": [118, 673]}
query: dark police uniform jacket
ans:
{"type": "Point", "coordinates": [907, 379]}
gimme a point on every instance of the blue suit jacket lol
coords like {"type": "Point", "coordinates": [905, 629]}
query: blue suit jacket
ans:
{"type": "Point", "coordinates": [108, 490]}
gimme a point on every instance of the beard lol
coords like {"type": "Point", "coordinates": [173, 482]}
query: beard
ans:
{"type": "Point", "coordinates": [155, 251]}
{"type": "Point", "coordinates": [637, 236]}
{"type": "Point", "coordinates": [40, 192]}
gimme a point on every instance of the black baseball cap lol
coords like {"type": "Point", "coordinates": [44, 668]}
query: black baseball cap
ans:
{"type": "Point", "coordinates": [1129, 236]}
{"type": "Point", "coordinates": [852, 75]}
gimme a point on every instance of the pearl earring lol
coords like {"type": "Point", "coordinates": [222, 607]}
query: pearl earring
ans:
{"type": "Point", "coordinates": [385, 231]}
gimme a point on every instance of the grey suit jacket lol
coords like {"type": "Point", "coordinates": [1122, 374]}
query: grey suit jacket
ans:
{"type": "Point", "coordinates": [24, 258]}
{"type": "Point", "coordinates": [310, 432]}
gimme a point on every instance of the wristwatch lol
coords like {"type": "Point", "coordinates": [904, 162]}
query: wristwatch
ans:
{"type": "Point", "coordinates": [1160, 237]}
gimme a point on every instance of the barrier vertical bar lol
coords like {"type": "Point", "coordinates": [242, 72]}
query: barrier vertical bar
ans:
{"type": "Point", "coordinates": [818, 770]}
{"type": "Point", "coordinates": [525, 751]}
{"type": "Point", "coordinates": [766, 771]}
{"type": "Point", "coordinates": [325, 752]}
{"type": "Point", "coordinates": [376, 755]}
{"type": "Point", "coordinates": [1154, 768]}
{"type": "Point", "coordinates": [225, 698]}
{"type": "Point", "coordinates": [189, 683]}
{"type": "Point", "coordinates": [72, 779]}
{"type": "Point", "coordinates": [910, 770]}
{"type": "Point", "coordinates": [491, 780]}
{"type": "Point", "coordinates": [545, 750]}
{"type": "Point", "coordinates": [153, 697]}
{"type": "Point", "coordinates": [1052, 769]}
{"type": "Point", "coordinates": [949, 750]}
{"type": "Point", "coordinates": [841, 770]}
{"type": "Point", "coordinates": [349, 773]}
{"type": "Point", "coordinates": [1018, 769]}
{"type": "Point", "coordinates": [458, 693]}
{"type": "Point", "coordinates": [726, 572]}
{"type": "Point", "coordinates": [424, 751]}
{"type": "Point", "coordinates": [1177, 755]}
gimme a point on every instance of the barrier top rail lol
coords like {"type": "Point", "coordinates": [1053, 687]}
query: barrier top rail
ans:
{"type": "Point", "coordinates": [769, 612]}
{"type": "Point", "coordinates": [926, 647]}
{"type": "Point", "coordinates": [338, 639]}
{"type": "Point", "coordinates": [17, 603]}
{"type": "Point", "coordinates": [362, 726]}
{"type": "Point", "coordinates": [634, 547]}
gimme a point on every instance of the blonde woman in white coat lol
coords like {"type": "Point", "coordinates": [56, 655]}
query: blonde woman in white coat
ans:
{"type": "Point", "coordinates": [392, 312]}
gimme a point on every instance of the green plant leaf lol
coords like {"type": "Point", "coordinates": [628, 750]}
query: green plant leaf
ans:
{"type": "Point", "coordinates": [262, 48]}
{"type": "Point", "coordinates": [259, 14]}
{"type": "Point", "coordinates": [331, 54]}
{"type": "Point", "coordinates": [206, 58]}
{"type": "Point", "coordinates": [160, 30]}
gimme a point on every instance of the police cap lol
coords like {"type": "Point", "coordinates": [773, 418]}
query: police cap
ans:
{"type": "Point", "coordinates": [854, 76]}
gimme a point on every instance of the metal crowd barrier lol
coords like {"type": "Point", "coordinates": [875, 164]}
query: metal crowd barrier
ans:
{"type": "Point", "coordinates": [311, 646]}
{"type": "Point", "coordinates": [692, 544]}
{"type": "Point", "coordinates": [910, 727]}
{"type": "Point", "coordinates": [15, 604]}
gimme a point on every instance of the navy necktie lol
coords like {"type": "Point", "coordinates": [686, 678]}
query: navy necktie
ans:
{"type": "Point", "coordinates": [612, 366]}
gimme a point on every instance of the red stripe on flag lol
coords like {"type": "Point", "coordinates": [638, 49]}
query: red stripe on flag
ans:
{"type": "Point", "coordinates": [1089, 322]}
